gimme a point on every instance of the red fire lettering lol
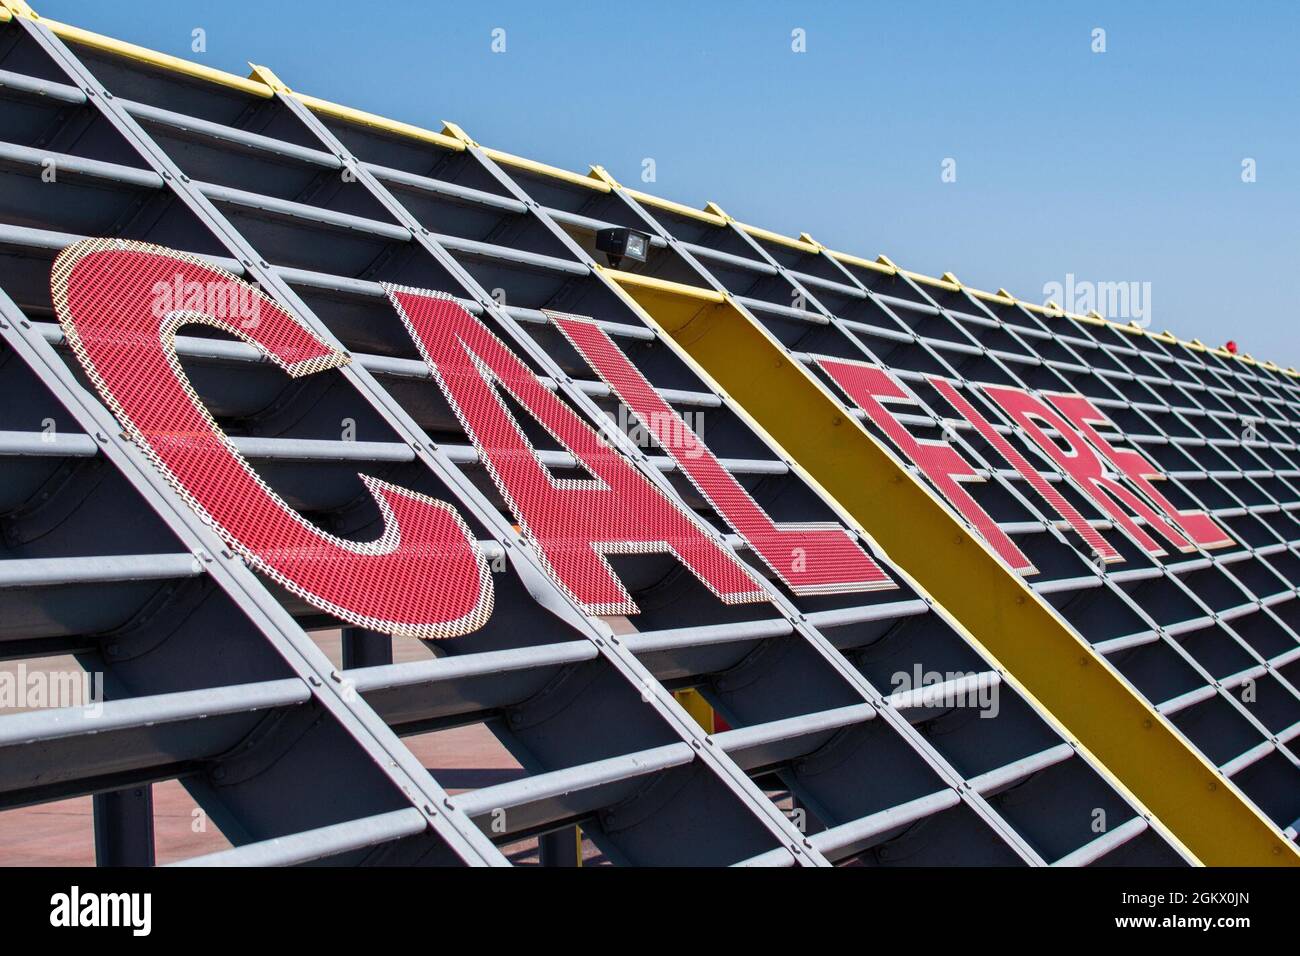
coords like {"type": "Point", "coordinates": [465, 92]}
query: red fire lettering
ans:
{"type": "Point", "coordinates": [1086, 467]}
{"type": "Point", "coordinates": [871, 387]}
{"type": "Point", "coordinates": [1054, 498]}
{"type": "Point", "coordinates": [1197, 525]}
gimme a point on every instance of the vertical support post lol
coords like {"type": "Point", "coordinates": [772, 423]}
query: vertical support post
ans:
{"type": "Point", "coordinates": [124, 827]}
{"type": "Point", "coordinates": [561, 847]}
{"type": "Point", "coordinates": [362, 648]}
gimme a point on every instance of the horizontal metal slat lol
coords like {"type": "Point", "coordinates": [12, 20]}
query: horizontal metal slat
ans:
{"type": "Point", "coordinates": [785, 311]}
{"type": "Point", "coordinates": [301, 212]}
{"type": "Point", "coordinates": [781, 740]}
{"type": "Point", "coordinates": [24, 85]}
{"type": "Point", "coordinates": [52, 572]}
{"type": "Point", "coordinates": [92, 169]}
{"type": "Point", "coordinates": [990, 782]}
{"type": "Point", "coordinates": [453, 191]}
{"type": "Point", "coordinates": [542, 799]}
{"type": "Point", "coordinates": [319, 843]}
{"type": "Point", "coordinates": [47, 445]}
{"type": "Point", "coordinates": [48, 754]}
{"type": "Point", "coordinates": [408, 695]}
{"type": "Point", "coordinates": [533, 260]}
{"type": "Point", "coordinates": [230, 136]}
{"type": "Point", "coordinates": [850, 838]}
{"type": "Point", "coordinates": [1106, 843]}
{"type": "Point", "coordinates": [728, 259]}
{"type": "Point", "coordinates": [366, 289]}
{"type": "Point", "coordinates": [51, 241]}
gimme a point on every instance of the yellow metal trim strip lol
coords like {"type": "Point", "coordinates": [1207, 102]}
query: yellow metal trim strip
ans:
{"type": "Point", "coordinates": [862, 263]}
{"type": "Point", "coordinates": [543, 169]}
{"type": "Point", "coordinates": [1055, 311]}
{"type": "Point", "coordinates": [931, 281]}
{"type": "Point", "coordinates": [681, 289]}
{"type": "Point", "coordinates": [676, 207]}
{"type": "Point", "coordinates": [381, 123]}
{"type": "Point", "coordinates": [1207, 812]}
{"type": "Point", "coordinates": [141, 54]}
{"type": "Point", "coordinates": [455, 132]}
{"type": "Point", "coordinates": [760, 233]}
{"type": "Point", "coordinates": [1001, 297]}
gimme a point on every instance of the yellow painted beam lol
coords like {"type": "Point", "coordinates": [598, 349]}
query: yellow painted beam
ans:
{"type": "Point", "coordinates": [381, 123]}
{"type": "Point", "coordinates": [544, 169]}
{"type": "Point", "coordinates": [863, 263]}
{"type": "Point", "coordinates": [767, 234]}
{"type": "Point", "coordinates": [679, 290]}
{"type": "Point", "coordinates": [680, 209]}
{"type": "Point", "coordinates": [693, 703]}
{"type": "Point", "coordinates": [932, 281]}
{"type": "Point", "coordinates": [164, 61]}
{"type": "Point", "coordinates": [1205, 810]}
{"type": "Point", "coordinates": [1001, 297]}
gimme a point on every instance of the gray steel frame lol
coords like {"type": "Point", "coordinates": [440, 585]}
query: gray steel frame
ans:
{"type": "Point", "coordinates": [884, 777]}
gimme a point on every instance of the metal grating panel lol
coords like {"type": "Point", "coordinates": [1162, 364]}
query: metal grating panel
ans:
{"type": "Point", "coordinates": [212, 675]}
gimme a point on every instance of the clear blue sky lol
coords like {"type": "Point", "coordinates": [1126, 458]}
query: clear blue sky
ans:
{"type": "Point", "coordinates": [1118, 166]}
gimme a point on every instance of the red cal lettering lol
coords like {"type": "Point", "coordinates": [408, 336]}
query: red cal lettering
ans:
{"type": "Point", "coordinates": [423, 577]}
{"type": "Point", "coordinates": [574, 522]}
{"type": "Point", "coordinates": [809, 558]}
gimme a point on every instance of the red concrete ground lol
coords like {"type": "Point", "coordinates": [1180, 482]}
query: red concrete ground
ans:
{"type": "Point", "coordinates": [61, 834]}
